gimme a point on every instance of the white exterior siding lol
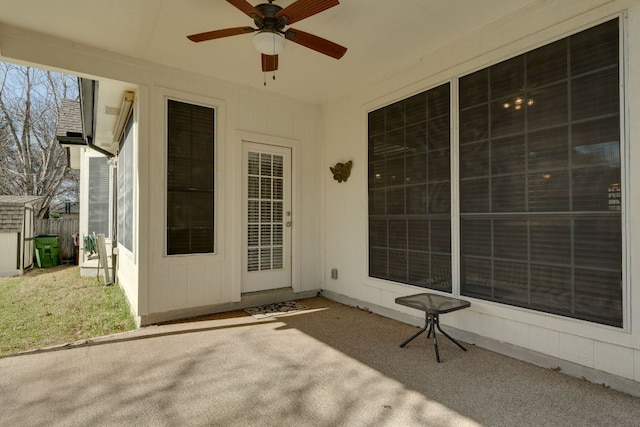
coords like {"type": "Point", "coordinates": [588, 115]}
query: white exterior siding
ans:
{"type": "Point", "coordinates": [331, 218]}
{"type": "Point", "coordinates": [607, 349]}
{"type": "Point", "coordinates": [158, 286]}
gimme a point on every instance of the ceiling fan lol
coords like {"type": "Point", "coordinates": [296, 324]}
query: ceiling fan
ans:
{"type": "Point", "coordinates": [270, 20]}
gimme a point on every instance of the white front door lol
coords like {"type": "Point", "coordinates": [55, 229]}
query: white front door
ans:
{"type": "Point", "coordinates": [267, 217]}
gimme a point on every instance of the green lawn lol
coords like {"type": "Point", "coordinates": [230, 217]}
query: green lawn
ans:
{"type": "Point", "coordinates": [51, 306]}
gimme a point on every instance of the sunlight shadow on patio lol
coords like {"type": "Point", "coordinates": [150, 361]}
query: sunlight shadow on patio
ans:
{"type": "Point", "coordinates": [331, 365]}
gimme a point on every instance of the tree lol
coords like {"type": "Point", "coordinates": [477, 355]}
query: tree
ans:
{"type": "Point", "coordinates": [33, 163]}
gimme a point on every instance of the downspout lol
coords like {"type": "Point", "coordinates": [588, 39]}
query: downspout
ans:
{"type": "Point", "coordinates": [114, 212]}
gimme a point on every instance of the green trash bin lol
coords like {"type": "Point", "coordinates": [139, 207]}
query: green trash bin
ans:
{"type": "Point", "coordinates": [47, 250]}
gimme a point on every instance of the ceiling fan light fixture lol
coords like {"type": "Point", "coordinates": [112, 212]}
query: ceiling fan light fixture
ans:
{"type": "Point", "coordinates": [269, 42]}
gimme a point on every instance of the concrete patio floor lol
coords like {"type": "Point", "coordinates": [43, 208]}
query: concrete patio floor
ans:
{"type": "Point", "coordinates": [331, 365]}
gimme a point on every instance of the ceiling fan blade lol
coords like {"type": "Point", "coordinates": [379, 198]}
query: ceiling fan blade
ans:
{"type": "Point", "coordinates": [302, 9]}
{"type": "Point", "coordinates": [217, 34]}
{"type": "Point", "coordinates": [246, 8]}
{"type": "Point", "coordinates": [316, 43]}
{"type": "Point", "coordinates": [269, 63]}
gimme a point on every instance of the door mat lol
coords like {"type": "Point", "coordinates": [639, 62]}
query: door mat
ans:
{"type": "Point", "coordinates": [277, 309]}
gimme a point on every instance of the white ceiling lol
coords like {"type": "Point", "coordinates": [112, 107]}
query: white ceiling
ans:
{"type": "Point", "coordinates": [380, 36]}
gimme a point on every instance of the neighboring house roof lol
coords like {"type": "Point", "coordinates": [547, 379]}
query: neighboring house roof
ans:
{"type": "Point", "coordinates": [12, 212]}
{"type": "Point", "coordinates": [69, 119]}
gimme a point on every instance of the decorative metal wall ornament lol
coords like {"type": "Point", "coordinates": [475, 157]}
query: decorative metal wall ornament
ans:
{"type": "Point", "coordinates": [341, 171]}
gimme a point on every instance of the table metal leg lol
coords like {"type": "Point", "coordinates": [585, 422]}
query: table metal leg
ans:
{"type": "Point", "coordinates": [432, 321]}
{"type": "Point", "coordinates": [427, 325]}
{"type": "Point", "coordinates": [407, 341]}
{"type": "Point", "coordinates": [437, 323]}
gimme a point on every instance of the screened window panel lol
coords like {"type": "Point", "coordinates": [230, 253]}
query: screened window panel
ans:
{"type": "Point", "coordinates": [190, 179]}
{"type": "Point", "coordinates": [474, 123]}
{"type": "Point", "coordinates": [395, 172]}
{"type": "Point", "coordinates": [595, 143]}
{"type": "Point", "coordinates": [474, 89]}
{"type": "Point", "coordinates": [377, 202]}
{"type": "Point", "coordinates": [474, 195]}
{"type": "Point", "coordinates": [378, 261]}
{"type": "Point", "coordinates": [476, 237]}
{"type": "Point", "coordinates": [395, 117]}
{"type": "Point", "coordinates": [474, 160]}
{"type": "Point", "coordinates": [439, 133]}
{"type": "Point", "coordinates": [398, 265]}
{"type": "Point", "coordinates": [395, 201]}
{"type": "Point", "coordinates": [398, 234]}
{"type": "Point", "coordinates": [507, 121]}
{"type": "Point", "coordinates": [440, 198]}
{"type": "Point", "coordinates": [439, 166]}
{"type": "Point", "coordinates": [418, 235]}
{"type": "Point", "coordinates": [510, 239]}
{"type": "Point", "coordinates": [441, 272]}
{"type": "Point", "coordinates": [549, 197]}
{"type": "Point", "coordinates": [377, 172]}
{"type": "Point", "coordinates": [510, 282]}
{"type": "Point", "coordinates": [417, 199]}
{"type": "Point", "coordinates": [507, 155]}
{"type": "Point", "coordinates": [550, 241]}
{"type": "Point", "coordinates": [506, 77]}
{"type": "Point", "coordinates": [548, 191]}
{"type": "Point", "coordinates": [476, 279]}
{"type": "Point", "coordinates": [416, 169]}
{"type": "Point", "coordinates": [508, 193]}
{"type": "Point", "coordinates": [596, 302]}
{"type": "Point", "coordinates": [438, 102]}
{"type": "Point", "coordinates": [441, 236]}
{"type": "Point", "coordinates": [551, 288]}
{"type": "Point", "coordinates": [125, 190]}
{"type": "Point", "coordinates": [601, 86]}
{"type": "Point", "coordinates": [99, 196]}
{"type": "Point", "coordinates": [598, 243]}
{"type": "Point", "coordinates": [548, 149]}
{"type": "Point", "coordinates": [591, 188]}
{"type": "Point", "coordinates": [419, 273]}
{"type": "Point", "coordinates": [414, 110]}
{"type": "Point", "coordinates": [595, 48]}
{"type": "Point", "coordinates": [547, 64]}
{"type": "Point", "coordinates": [376, 123]}
{"type": "Point", "coordinates": [556, 106]}
{"type": "Point", "coordinates": [378, 233]}
{"type": "Point", "coordinates": [415, 138]}
{"type": "Point", "coordinates": [410, 189]}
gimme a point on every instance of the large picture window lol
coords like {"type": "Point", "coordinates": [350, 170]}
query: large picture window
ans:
{"type": "Point", "coordinates": [125, 189]}
{"type": "Point", "coordinates": [540, 182]}
{"type": "Point", "coordinates": [190, 178]}
{"type": "Point", "coordinates": [540, 179]}
{"type": "Point", "coordinates": [410, 191]}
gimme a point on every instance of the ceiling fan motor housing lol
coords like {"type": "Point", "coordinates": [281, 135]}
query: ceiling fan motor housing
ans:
{"type": "Point", "coordinates": [270, 22]}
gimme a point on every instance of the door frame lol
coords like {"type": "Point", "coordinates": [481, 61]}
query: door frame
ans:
{"type": "Point", "coordinates": [278, 278]}
{"type": "Point", "coordinates": [294, 145]}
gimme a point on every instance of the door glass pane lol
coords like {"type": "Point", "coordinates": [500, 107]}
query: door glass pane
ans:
{"type": "Point", "coordinates": [265, 211]}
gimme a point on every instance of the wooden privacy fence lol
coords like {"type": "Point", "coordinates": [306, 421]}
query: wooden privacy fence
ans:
{"type": "Point", "coordinates": [63, 227]}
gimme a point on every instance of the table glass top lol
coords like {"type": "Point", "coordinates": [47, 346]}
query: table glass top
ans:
{"type": "Point", "coordinates": [433, 303]}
